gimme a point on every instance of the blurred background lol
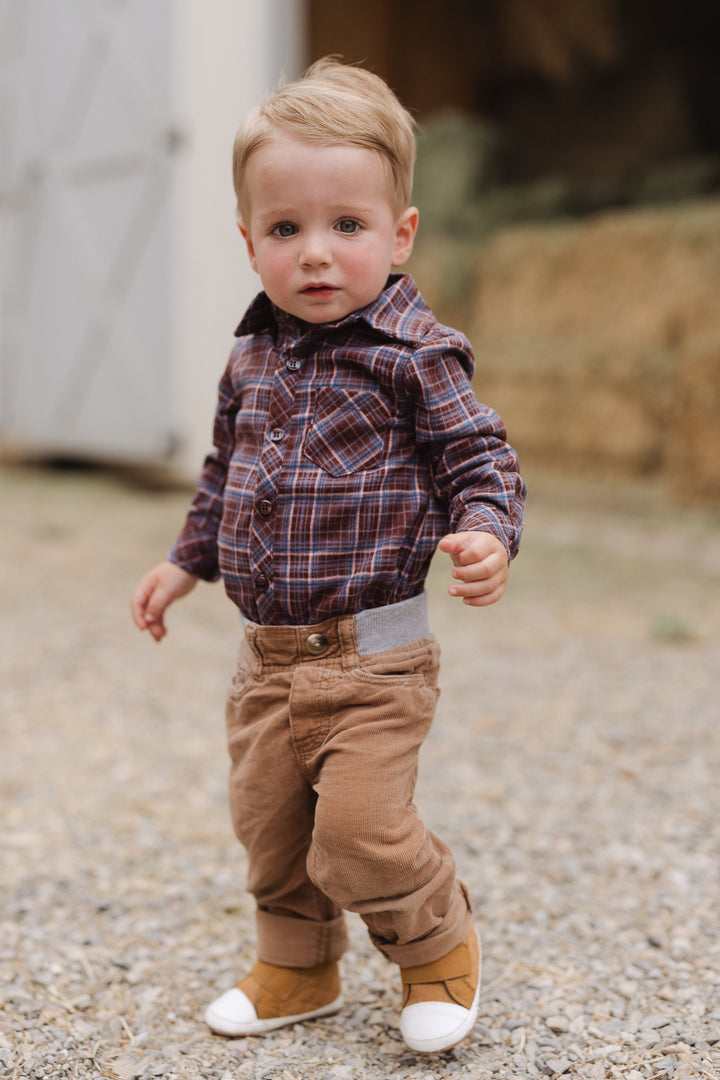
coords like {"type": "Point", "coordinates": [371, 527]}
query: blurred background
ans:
{"type": "Point", "coordinates": [568, 181]}
{"type": "Point", "coordinates": [569, 187]}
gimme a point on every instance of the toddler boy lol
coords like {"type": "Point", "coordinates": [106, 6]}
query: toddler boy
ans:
{"type": "Point", "coordinates": [348, 444]}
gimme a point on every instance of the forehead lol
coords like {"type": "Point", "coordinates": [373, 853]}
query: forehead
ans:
{"type": "Point", "coordinates": [290, 169]}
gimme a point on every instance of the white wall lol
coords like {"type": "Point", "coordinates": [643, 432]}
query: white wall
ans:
{"type": "Point", "coordinates": [224, 63]}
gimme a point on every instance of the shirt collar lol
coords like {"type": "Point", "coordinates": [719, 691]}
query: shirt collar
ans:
{"type": "Point", "coordinates": [399, 312]}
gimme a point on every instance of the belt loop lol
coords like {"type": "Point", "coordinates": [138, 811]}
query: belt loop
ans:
{"type": "Point", "coordinates": [249, 632]}
{"type": "Point", "coordinates": [347, 634]}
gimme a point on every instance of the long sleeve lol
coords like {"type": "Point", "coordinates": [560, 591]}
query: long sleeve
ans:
{"type": "Point", "coordinates": [475, 470]}
{"type": "Point", "coordinates": [196, 548]}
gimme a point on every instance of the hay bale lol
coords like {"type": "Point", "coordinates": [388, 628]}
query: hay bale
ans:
{"type": "Point", "coordinates": [693, 428]}
{"type": "Point", "coordinates": [598, 341]}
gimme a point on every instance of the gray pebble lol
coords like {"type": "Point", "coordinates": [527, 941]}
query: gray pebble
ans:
{"type": "Point", "coordinates": [558, 1065]}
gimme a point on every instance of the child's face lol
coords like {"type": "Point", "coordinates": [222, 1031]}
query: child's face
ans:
{"type": "Point", "coordinates": [321, 228]}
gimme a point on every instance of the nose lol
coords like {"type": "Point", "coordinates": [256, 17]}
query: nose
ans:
{"type": "Point", "coordinates": [315, 250]}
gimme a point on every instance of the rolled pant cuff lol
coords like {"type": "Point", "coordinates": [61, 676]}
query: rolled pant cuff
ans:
{"type": "Point", "coordinates": [288, 942]}
{"type": "Point", "coordinates": [449, 934]}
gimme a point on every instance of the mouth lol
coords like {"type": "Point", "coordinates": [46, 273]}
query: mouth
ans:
{"type": "Point", "coordinates": [319, 290]}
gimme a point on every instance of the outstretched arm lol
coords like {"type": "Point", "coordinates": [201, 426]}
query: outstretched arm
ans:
{"type": "Point", "coordinates": [160, 587]}
{"type": "Point", "coordinates": [480, 566]}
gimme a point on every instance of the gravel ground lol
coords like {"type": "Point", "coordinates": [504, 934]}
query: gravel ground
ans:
{"type": "Point", "coordinates": [573, 768]}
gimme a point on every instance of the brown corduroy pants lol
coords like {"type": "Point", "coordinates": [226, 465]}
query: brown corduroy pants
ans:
{"type": "Point", "coordinates": [324, 748]}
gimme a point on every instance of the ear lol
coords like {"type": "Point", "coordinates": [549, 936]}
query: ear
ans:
{"type": "Point", "coordinates": [248, 240]}
{"type": "Point", "coordinates": [405, 229]}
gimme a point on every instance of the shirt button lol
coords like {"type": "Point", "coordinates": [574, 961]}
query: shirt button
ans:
{"type": "Point", "coordinates": [316, 644]}
{"type": "Point", "coordinates": [293, 364]}
{"type": "Point", "coordinates": [265, 507]}
{"type": "Point", "coordinates": [277, 435]}
{"type": "Point", "coordinates": [261, 583]}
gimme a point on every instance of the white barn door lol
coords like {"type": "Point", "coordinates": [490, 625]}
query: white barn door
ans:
{"type": "Point", "coordinates": [122, 276]}
{"type": "Point", "coordinates": [88, 146]}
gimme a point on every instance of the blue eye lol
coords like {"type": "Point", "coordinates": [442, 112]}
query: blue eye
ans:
{"type": "Point", "coordinates": [348, 226]}
{"type": "Point", "coordinates": [284, 229]}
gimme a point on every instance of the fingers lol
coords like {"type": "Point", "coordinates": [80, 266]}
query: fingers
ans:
{"type": "Point", "coordinates": [480, 585]}
{"type": "Point", "coordinates": [480, 594]}
{"type": "Point", "coordinates": [156, 625]}
{"type": "Point", "coordinates": [453, 546]}
{"type": "Point", "coordinates": [480, 567]}
{"type": "Point", "coordinates": [466, 548]}
{"type": "Point", "coordinates": [138, 604]}
{"type": "Point", "coordinates": [158, 589]}
{"type": "Point", "coordinates": [148, 606]}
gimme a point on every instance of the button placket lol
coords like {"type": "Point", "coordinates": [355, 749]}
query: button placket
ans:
{"type": "Point", "coordinates": [278, 413]}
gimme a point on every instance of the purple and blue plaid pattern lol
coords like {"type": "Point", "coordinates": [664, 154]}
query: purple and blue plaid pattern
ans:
{"type": "Point", "coordinates": [343, 453]}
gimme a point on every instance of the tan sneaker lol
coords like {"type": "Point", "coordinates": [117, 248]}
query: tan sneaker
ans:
{"type": "Point", "coordinates": [440, 1000]}
{"type": "Point", "coordinates": [270, 997]}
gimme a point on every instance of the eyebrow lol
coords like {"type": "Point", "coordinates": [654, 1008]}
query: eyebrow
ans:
{"type": "Point", "coordinates": [340, 210]}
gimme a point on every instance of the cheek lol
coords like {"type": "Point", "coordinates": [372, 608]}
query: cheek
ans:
{"type": "Point", "coordinates": [272, 263]}
{"type": "Point", "coordinates": [365, 263]}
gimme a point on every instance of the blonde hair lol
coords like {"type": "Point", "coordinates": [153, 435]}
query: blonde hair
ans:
{"type": "Point", "coordinates": [333, 104]}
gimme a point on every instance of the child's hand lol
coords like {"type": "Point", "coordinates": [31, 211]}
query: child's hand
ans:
{"type": "Point", "coordinates": [163, 584]}
{"type": "Point", "coordinates": [481, 566]}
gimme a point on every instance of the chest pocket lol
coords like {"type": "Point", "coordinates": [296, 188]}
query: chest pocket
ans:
{"type": "Point", "coordinates": [347, 433]}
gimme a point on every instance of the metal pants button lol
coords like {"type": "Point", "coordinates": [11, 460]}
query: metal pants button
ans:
{"type": "Point", "coordinates": [316, 644]}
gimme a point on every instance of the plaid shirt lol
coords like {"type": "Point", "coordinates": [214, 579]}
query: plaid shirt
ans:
{"type": "Point", "coordinates": [343, 453]}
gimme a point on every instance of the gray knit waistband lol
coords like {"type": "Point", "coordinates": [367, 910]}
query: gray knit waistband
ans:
{"type": "Point", "coordinates": [388, 627]}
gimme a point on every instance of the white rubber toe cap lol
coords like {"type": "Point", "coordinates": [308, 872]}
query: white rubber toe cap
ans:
{"type": "Point", "coordinates": [431, 1026]}
{"type": "Point", "coordinates": [232, 1014]}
